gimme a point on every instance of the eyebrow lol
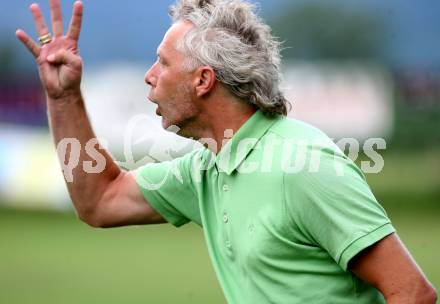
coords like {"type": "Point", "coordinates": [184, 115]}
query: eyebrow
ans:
{"type": "Point", "coordinates": [158, 51]}
{"type": "Point", "coordinates": [161, 57]}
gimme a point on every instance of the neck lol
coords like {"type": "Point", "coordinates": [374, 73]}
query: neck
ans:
{"type": "Point", "coordinates": [221, 119]}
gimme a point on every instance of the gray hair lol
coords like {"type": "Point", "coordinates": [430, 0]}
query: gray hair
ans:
{"type": "Point", "coordinates": [229, 37]}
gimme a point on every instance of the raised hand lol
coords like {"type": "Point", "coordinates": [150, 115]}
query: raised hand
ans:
{"type": "Point", "coordinates": [59, 63]}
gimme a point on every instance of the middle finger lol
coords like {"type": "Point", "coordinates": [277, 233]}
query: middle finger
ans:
{"type": "Point", "coordinates": [57, 20]}
{"type": "Point", "coordinates": [39, 20]}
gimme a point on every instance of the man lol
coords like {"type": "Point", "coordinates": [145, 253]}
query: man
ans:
{"type": "Point", "coordinates": [276, 232]}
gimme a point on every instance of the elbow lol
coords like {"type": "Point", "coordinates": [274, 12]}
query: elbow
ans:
{"type": "Point", "coordinates": [91, 218]}
{"type": "Point", "coordinates": [91, 223]}
{"type": "Point", "coordinates": [427, 293]}
{"type": "Point", "coordinates": [95, 219]}
{"type": "Point", "coordinates": [424, 294]}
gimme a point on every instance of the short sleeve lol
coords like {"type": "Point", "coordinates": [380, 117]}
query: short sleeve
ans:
{"type": "Point", "coordinates": [169, 189]}
{"type": "Point", "coordinates": [335, 209]}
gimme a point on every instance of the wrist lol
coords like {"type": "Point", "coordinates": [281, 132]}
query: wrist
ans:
{"type": "Point", "coordinates": [66, 97]}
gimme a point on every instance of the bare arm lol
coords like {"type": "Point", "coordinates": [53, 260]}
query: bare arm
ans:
{"type": "Point", "coordinates": [105, 199]}
{"type": "Point", "coordinates": [389, 267]}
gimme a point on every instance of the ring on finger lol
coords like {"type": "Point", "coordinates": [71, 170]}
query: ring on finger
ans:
{"type": "Point", "coordinates": [45, 39]}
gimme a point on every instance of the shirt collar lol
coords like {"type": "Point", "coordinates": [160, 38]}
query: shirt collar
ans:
{"type": "Point", "coordinates": [244, 141]}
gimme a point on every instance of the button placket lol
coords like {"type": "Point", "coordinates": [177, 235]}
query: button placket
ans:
{"type": "Point", "coordinates": [224, 216]}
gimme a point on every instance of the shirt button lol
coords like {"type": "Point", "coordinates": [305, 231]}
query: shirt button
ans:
{"type": "Point", "coordinates": [225, 188]}
{"type": "Point", "coordinates": [225, 218]}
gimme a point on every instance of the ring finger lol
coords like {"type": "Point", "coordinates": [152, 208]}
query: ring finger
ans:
{"type": "Point", "coordinates": [40, 24]}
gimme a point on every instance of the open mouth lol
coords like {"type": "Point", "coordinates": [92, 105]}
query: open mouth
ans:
{"type": "Point", "coordinates": [155, 102]}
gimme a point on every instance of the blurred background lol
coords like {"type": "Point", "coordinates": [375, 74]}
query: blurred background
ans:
{"type": "Point", "coordinates": [364, 69]}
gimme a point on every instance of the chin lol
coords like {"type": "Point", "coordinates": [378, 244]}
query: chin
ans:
{"type": "Point", "coordinates": [174, 128]}
{"type": "Point", "coordinates": [166, 124]}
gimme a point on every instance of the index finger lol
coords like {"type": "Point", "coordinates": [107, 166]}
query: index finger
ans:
{"type": "Point", "coordinates": [75, 22]}
{"type": "Point", "coordinates": [39, 20]}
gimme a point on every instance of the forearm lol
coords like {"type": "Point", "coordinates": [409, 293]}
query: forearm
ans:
{"type": "Point", "coordinates": [69, 121]}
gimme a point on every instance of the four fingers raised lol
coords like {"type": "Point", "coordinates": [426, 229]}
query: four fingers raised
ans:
{"type": "Point", "coordinates": [57, 25]}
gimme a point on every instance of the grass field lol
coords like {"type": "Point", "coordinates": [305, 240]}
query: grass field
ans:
{"type": "Point", "coordinates": [53, 258]}
{"type": "Point", "coordinates": [50, 257]}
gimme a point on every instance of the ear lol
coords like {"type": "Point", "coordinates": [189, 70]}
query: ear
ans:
{"type": "Point", "coordinates": [205, 80]}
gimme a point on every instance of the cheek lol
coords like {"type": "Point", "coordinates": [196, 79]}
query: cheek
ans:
{"type": "Point", "coordinates": [163, 84]}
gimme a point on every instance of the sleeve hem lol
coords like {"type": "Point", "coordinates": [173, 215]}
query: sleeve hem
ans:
{"type": "Point", "coordinates": [159, 208]}
{"type": "Point", "coordinates": [363, 242]}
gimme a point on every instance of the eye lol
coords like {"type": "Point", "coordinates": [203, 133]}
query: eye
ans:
{"type": "Point", "coordinates": [162, 62]}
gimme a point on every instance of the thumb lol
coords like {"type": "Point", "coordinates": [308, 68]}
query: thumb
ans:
{"type": "Point", "coordinates": [61, 57]}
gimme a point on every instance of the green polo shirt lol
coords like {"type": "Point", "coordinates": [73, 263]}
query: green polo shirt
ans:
{"type": "Point", "coordinates": [283, 211]}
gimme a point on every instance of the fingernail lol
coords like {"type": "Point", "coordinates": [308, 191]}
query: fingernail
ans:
{"type": "Point", "coordinates": [51, 57]}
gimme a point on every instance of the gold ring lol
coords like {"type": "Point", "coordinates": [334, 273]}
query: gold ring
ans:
{"type": "Point", "coordinates": [45, 39]}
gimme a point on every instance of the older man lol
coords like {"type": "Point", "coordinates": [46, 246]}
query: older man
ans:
{"type": "Point", "coordinates": [276, 232]}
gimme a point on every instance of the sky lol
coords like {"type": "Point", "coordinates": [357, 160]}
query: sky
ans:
{"type": "Point", "coordinates": [131, 30]}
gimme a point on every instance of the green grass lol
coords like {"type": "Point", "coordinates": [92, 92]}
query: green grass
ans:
{"type": "Point", "coordinates": [409, 173]}
{"type": "Point", "coordinates": [53, 258]}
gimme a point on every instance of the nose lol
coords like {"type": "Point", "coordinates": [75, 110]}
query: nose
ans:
{"type": "Point", "coordinates": [150, 77]}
